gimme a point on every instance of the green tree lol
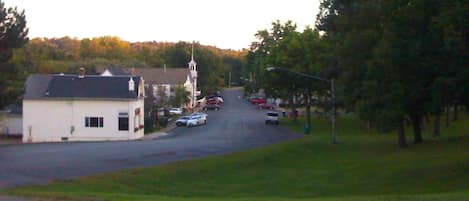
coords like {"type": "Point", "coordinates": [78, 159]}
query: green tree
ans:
{"type": "Point", "coordinates": [398, 59]}
{"type": "Point", "coordinates": [181, 96]}
{"type": "Point", "coordinates": [13, 34]}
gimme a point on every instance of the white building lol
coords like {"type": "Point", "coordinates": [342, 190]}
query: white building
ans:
{"type": "Point", "coordinates": [164, 78]}
{"type": "Point", "coordinates": [11, 121]}
{"type": "Point", "coordinates": [83, 108]}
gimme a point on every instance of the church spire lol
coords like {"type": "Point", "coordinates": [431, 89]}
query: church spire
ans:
{"type": "Point", "coordinates": [192, 63]}
{"type": "Point", "coordinates": [192, 54]}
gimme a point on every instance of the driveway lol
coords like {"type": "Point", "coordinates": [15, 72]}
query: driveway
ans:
{"type": "Point", "coordinates": [237, 126]}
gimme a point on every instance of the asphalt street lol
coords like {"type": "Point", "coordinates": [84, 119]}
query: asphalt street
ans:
{"type": "Point", "coordinates": [237, 126]}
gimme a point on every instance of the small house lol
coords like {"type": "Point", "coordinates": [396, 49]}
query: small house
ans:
{"type": "Point", "coordinates": [83, 108]}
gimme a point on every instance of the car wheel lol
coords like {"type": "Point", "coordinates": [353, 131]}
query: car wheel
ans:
{"type": "Point", "coordinates": [205, 122]}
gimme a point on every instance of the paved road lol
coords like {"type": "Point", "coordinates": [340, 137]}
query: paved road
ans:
{"type": "Point", "coordinates": [236, 127]}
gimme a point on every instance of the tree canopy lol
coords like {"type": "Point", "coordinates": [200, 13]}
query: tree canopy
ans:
{"type": "Point", "coordinates": [13, 35]}
{"type": "Point", "coordinates": [395, 61]}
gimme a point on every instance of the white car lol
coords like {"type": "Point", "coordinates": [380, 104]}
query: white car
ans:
{"type": "Point", "coordinates": [203, 115]}
{"type": "Point", "coordinates": [182, 121]}
{"type": "Point", "coordinates": [175, 110]}
{"type": "Point", "coordinates": [195, 120]}
{"type": "Point", "coordinates": [272, 118]}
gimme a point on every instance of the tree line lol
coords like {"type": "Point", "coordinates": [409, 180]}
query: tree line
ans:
{"type": "Point", "coordinates": [20, 56]}
{"type": "Point", "coordinates": [396, 62]}
{"type": "Point", "coordinates": [55, 55]}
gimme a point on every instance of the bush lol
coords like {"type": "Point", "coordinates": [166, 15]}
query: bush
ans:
{"type": "Point", "coordinates": [163, 121]}
{"type": "Point", "coordinates": [149, 125]}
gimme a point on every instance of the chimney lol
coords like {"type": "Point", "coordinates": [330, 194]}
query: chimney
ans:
{"type": "Point", "coordinates": [131, 84]}
{"type": "Point", "coordinates": [81, 73]}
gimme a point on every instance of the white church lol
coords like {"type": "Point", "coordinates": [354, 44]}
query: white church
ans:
{"type": "Point", "coordinates": [165, 78]}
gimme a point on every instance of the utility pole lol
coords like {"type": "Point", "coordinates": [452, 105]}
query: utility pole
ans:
{"type": "Point", "coordinates": [229, 79]}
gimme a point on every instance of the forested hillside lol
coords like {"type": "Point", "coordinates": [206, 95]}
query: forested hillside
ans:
{"type": "Point", "coordinates": [66, 55]}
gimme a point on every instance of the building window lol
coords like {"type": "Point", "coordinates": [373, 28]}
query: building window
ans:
{"type": "Point", "coordinates": [94, 122]}
{"type": "Point", "coordinates": [123, 121]}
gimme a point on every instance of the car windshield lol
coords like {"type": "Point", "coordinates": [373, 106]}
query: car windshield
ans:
{"type": "Point", "coordinates": [273, 114]}
{"type": "Point", "coordinates": [185, 117]}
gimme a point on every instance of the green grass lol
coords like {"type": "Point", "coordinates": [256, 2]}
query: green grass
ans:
{"type": "Point", "coordinates": [363, 166]}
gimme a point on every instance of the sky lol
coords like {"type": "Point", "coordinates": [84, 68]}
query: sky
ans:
{"type": "Point", "coordinates": [227, 24]}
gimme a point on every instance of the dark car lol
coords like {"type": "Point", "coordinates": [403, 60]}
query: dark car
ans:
{"type": "Point", "coordinates": [212, 107]}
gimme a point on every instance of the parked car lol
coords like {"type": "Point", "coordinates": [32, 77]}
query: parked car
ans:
{"type": "Point", "coordinates": [266, 106]}
{"type": "Point", "coordinates": [203, 115]}
{"type": "Point", "coordinates": [214, 100]}
{"type": "Point", "coordinates": [182, 121]}
{"type": "Point", "coordinates": [195, 120]}
{"type": "Point", "coordinates": [257, 101]}
{"type": "Point", "coordinates": [272, 118]}
{"type": "Point", "coordinates": [212, 107]}
{"type": "Point", "coordinates": [216, 97]}
{"type": "Point", "coordinates": [175, 110]}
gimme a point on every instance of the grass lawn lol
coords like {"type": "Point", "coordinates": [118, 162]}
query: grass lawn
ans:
{"type": "Point", "coordinates": [363, 166]}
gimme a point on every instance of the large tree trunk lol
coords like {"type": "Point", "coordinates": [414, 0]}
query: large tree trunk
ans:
{"type": "Point", "coordinates": [447, 116]}
{"type": "Point", "coordinates": [455, 112]}
{"type": "Point", "coordinates": [308, 111]}
{"type": "Point", "coordinates": [437, 124]}
{"type": "Point", "coordinates": [368, 126]}
{"type": "Point", "coordinates": [425, 122]}
{"type": "Point", "coordinates": [401, 134]}
{"type": "Point", "coordinates": [293, 107]}
{"type": "Point", "coordinates": [416, 122]}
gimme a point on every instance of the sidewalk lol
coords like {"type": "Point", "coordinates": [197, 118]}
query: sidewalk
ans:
{"type": "Point", "coordinates": [171, 126]}
{"type": "Point", "coordinates": [9, 198]}
{"type": "Point", "coordinates": [163, 132]}
{"type": "Point", "coordinates": [9, 141]}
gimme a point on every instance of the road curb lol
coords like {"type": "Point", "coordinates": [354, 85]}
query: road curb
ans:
{"type": "Point", "coordinates": [160, 133]}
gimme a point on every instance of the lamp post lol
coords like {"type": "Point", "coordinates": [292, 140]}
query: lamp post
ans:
{"type": "Point", "coordinates": [331, 81]}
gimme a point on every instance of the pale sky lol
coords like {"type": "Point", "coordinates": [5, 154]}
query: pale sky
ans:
{"type": "Point", "coordinates": [229, 24]}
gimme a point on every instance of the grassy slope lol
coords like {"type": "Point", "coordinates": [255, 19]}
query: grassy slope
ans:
{"type": "Point", "coordinates": [364, 166]}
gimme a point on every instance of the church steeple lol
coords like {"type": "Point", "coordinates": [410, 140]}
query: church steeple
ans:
{"type": "Point", "coordinates": [192, 53]}
{"type": "Point", "coordinates": [192, 63]}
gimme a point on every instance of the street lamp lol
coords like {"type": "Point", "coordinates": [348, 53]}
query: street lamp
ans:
{"type": "Point", "coordinates": [331, 81]}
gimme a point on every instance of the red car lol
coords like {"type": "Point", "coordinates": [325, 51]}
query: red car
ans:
{"type": "Point", "coordinates": [266, 106]}
{"type": "Point", "coordinates": [257, 101]}
{"type": "Point", "coordinates": [214, 101]}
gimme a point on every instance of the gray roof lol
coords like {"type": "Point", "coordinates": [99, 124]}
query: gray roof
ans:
{"type": "Point", "coordinates": [170, 76]}
{"type": "Point", "coordinates": [113, 70]}
{"type": "Point", "coordinates": [163, 76]}
{"type": "Point", "coordinates": [73, 87]}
